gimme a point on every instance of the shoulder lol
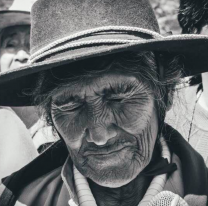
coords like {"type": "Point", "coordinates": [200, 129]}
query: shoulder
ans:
{"type": "Point", "coordinates": [189, 159]}
{"type": "Point", "coordinates": [43, 190]}
{"type": "Point", "coordinates": [185, 95]}
{"type": "Point", "coordinates": [42, 175]}
{"type": "Point", "coordinates": [16, 146]}
{"type": "Point", "coordinates": [29, 115]}
{"type": "Point", "coordinates": [11, 123]}
{"type": "Point", "coordinates": [49, 185]}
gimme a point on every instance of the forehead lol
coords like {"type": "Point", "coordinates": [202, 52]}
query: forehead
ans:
{"type": "Point", "coordinates": [99, 84]}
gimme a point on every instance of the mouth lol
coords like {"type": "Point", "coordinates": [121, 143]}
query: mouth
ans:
{"type": "Point", "coordinates": [107, 151]}
{"type": "Point", "coordinates": [118, 158]}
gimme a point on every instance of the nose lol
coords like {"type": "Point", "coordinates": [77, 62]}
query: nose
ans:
{"type": "Point", "coordinates": [100, 134]}
{"type": "Point", "coordinates": [21, 56]}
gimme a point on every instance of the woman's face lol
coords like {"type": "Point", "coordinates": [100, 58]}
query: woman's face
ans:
{"type": "Point", "coordinates": [109, 124]}
{"type": "Point", "coordinates": [15, 45]}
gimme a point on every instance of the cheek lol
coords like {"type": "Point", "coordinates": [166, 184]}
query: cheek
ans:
{"type": "Point", "coordinates": [6, 61]}
{"type": "Point", "coordinates": [134, 118]}
{"type": "Point", "coordinates": [71, 128]}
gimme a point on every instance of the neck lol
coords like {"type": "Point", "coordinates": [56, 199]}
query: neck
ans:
{"type": "Point", "coordinates": [203, 101]}
{"type": "Point", "coordinates": [130, 194]}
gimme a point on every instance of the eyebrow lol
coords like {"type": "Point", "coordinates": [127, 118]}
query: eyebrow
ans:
{"type": "Point", "coordinates": [7, 37]}
{"type": "Point", "coordinates": [12, 34]}
{"type": "Point", "coordinates": [121, 87]}
{"type": "Point", "coordinates": [64, 98]}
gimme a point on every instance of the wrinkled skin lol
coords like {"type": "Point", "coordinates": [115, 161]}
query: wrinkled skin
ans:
{"type": "Point", "coordinates": [14, 51]}
{"type": "Point", "coordinates": [109, 124]}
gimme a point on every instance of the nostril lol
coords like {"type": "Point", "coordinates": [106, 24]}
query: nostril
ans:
{"type": "Point", "coordinates": [100, 135]}
{"type": "Point", "coordinates": [24, 61]}
{"type": "Point", "coordinates": [22, 57]}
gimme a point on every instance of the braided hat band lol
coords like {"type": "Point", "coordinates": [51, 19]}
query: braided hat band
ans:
{"type": "Point", "coordinates": [115, 36]}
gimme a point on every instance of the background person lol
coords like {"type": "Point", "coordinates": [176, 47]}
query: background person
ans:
{"type": "Point", "coordinates": [14, 51]}
{"type": "Point", "coordinates": [15, 46]}
{"type": "Point", "coordinates": [189, 114]}
{"type": "Point", "coordinates": [16, 146]}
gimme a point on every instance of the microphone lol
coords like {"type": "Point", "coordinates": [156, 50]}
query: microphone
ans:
{"type": "Point", "coordinates": [167, 198]}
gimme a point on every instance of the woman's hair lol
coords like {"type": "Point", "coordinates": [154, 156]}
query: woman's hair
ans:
{"type": "Point", "coordinates": [197, 79]}
{"type": "Point", "coordinates": [142, 65]}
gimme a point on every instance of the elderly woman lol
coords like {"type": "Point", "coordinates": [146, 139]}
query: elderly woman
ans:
{"type": "Point", "coordinates": [103, 77]}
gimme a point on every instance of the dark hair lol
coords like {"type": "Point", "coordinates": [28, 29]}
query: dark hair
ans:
{"type": "Point", "coordinates": [5, 30]}
{"type": "Point", "coordinates": [142, 65]}
{"type": "Point", "coordinates": [197, 79]}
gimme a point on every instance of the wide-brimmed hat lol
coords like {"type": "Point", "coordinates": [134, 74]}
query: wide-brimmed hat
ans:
{"type": "Point", "coordinates": [66, 31]}
{"type": "Point", "coordinates": [18, 14]}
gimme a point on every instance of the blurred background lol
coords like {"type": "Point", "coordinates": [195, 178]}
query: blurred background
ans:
{"type": "Point", "coordinates": [5, 4]}
{"type": "Point", "coordinates": [166, 12]}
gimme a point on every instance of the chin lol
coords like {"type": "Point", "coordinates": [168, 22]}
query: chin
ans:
{"type": "Point", "coordinates": [114, 170]}
{"type": "Point", "coordinates": [114, 184]}
{"type": "Point", "coordinates": [114, 177]}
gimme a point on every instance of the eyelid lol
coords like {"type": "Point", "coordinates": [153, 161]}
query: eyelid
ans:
{"type": "Point", "coordinates": [11, 42]}
{"type": "Point", "coordinates": [66, 107]}
{"type": "Point", "coordinates": [121, 95]}
{"type": "Point", "coordinates": [122, 88]}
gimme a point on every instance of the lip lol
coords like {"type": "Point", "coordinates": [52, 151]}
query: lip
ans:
{"type": "Point", "coordinates": [106, 151]}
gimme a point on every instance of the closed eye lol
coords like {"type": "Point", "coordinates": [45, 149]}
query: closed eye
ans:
{"type": "Point", "coordinates": [119, 97]}
{"type": "Point", "coordinates": [70, 107]}
{"type": "Point", "coordinates": [11, 44]}
{"type": "Point", "coordinates": [115, 99]}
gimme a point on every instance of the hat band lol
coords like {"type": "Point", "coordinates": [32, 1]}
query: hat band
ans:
{"type": "Point", "coordinates": [76, 40]}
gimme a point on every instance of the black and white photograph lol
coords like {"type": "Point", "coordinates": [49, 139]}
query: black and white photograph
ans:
{"type": "Point", "coordinates": [103, 102]}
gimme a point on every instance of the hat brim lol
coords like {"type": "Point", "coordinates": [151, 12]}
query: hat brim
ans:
{"type": "Point", "coordinates": [14, 18]}
{"type": "Point", "coordinates": [192, 48]}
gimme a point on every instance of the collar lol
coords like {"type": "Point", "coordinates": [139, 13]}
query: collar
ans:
{"type": "Point", "coordinates": [67, 176]}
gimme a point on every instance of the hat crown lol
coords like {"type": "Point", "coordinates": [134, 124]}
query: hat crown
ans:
{"type": "Point", "coordinates": [55, 19]}
{"type": "Point", "coordinates": [22, 5]}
